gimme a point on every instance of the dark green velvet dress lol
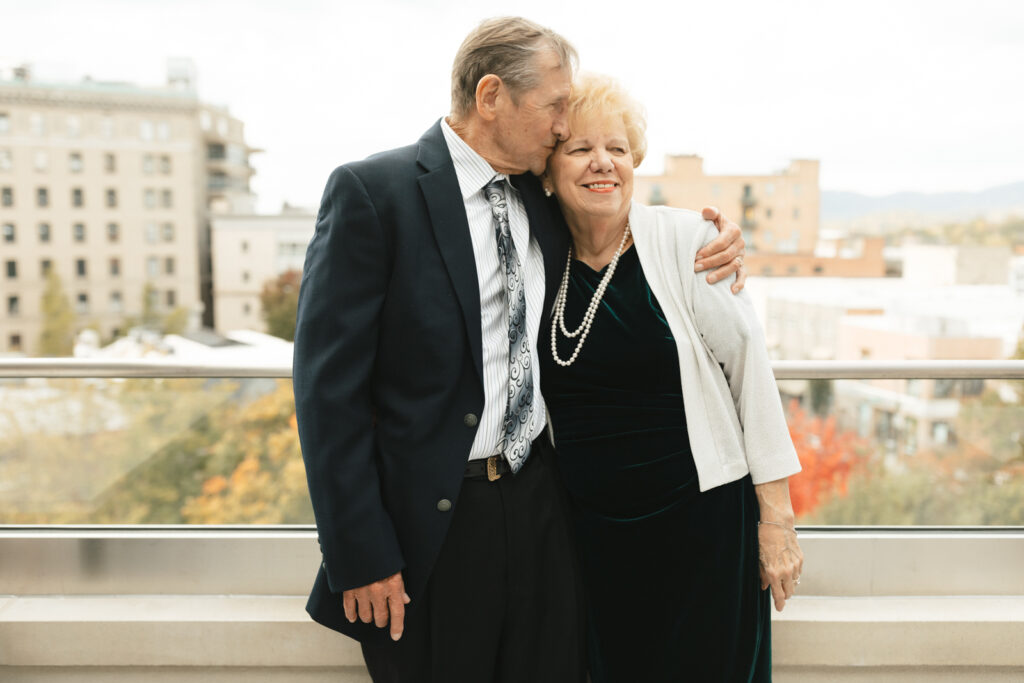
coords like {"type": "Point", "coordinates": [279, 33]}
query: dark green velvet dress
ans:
{"type": "Point", "coordinates": [671, 574]}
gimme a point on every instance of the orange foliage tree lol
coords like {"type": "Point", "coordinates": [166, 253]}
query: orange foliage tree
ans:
{"type": "Point", "coordinates": [827, 455]}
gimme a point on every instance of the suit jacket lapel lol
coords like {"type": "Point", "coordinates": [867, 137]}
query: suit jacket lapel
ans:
{"type": "Point", "coordinates": [548, 227]}
{"type": "Point", "coordinates": [447, 212]}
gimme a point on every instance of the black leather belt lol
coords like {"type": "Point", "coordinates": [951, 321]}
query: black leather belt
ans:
{"type": "Point", "coordinates": [492, 468]}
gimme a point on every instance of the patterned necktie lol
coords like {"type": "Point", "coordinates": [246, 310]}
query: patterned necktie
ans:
{"type": "Point", "coordinates": [515, 436]}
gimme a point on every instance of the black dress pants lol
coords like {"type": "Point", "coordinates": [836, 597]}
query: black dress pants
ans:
{"type": "Point", "coordinates": [504, 602]}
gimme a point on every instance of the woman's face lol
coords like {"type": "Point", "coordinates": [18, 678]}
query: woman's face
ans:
{"type": "Point", "coordinates": [592, 171]}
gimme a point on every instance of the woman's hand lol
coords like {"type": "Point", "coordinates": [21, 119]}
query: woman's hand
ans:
{"type": "Point", "coordinates": [779, 554]}
{"type": "Point", "coordinates": [781, 560]}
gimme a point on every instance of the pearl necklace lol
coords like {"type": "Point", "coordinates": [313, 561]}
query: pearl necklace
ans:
{"type": "Point", "coordinates": [588, 317]}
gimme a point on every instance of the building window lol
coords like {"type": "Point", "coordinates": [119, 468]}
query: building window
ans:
{"type": "Point", "coordinates": [172, 298]}
{"type": "Point", "coordinates": [766, 270]}
{"type": "Point", "coordinates": [769, 189]}
{"type": "Point", "coordinates": [44, 232]}
{"type": "Point", "coordinates": [109, 163]}
{"type": "Point", "coordinates": [41, 160]}
{"type": "Point", "coordinates": [152, 298]}
{"type": "Point", "coordinates": [796, 189]}
{"type": "Point", "coordinates": [75, 162]}
{"type": "Point", "coordinates": [169, 265]}
{"type": "Point", "coordinates": [80, 268]}
{"type": "Point", "coordinates": [13, 305]}
{"type": "Point", "coordinates": [146, 130]}
{"type": "Point", "coordinates": [9, 232]}
{"type": "Point", "coordinates": [37, 125]}
{"type": "Point", "coordinates": [115, 267]}
{"type": "Point", "coordinates": [246, 309]}
{"type": "Point", "coordinates": [147, 164]}
{"type": "Point", "coordinates": [12, 270]}
{"type": "Point", "coordinates": [7, 196]}
{"type": "Point", "coordinates": [77, 197]}
{"type": "Point", "coordinates": [167, 229]}
{"type": "Point", "coordinates": [818, 270]}
{"type": "Point", "coordinates": [216, 151]}
{"type": "Point", "coordinates": [796, 213]}
{"type": "Point", "coordinates": [152, 266]}
{"type": "Point", "coordinates": [78, 232]}
{"type": "Point", "coordinates": [245, 246]}
{"type": "Point", "coordinates": [166, 199]}
{"type": "Point", "coordinates": [768, 212]}
{"type": "Point", "coordinates": [149, 198]}
{"type": "Point", "coordinates": [163, 131]}
{"type": "Point", "coordinates": [116, 304]}
{"type": "Point", "coordinates": [222, 127]}
{"type": "Point", "coordinates": [82, 303]}
{"type": "Point", "coordinates": [42, 197]}
{"type": "Point", "coordinates": [74, 126]}
{"type": "Point", "coordinates": [111, 198]}
{"type": "Point", "coordinates": [5, 160]}
{"type": "Point", "coordinates": [44, 267]}
{"type": "Point", "coordinates": [165, 165]}
{"type": "Point", "coordinates": [14, 343]}
{"type": "Point", "coordinates": [107, 127]}
{"type": "Point", "coordinates": [5, 122]}
{"type": "Point", "coordinates": [151, 233]}
{"type": "Point", "coordinates": [113, 232]}
{"type": "Point", "coordinates": [245, 276]}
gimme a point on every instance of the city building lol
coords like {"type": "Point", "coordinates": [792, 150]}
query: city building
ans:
{"type": "Point", "coordinates": [112, 186]}
{"type": "Point", "coordinates": [778, 213]}
{"type": "Point", "coordinates": [249, 250]}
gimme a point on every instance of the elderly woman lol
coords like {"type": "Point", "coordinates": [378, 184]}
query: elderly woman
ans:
{"type": "Point", "coordinates": [669, 429]}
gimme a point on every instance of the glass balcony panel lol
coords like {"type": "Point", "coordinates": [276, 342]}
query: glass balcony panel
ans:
{"type": "Point", "coordinates": [875, 452]}
{"type": "Point", "coordinates": [899, 452]}
{"type": "Point", "coordinates": [150, 451]}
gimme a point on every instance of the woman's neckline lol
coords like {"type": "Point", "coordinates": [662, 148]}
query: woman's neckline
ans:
{"type": "Point", "coordinates": [628, 250]}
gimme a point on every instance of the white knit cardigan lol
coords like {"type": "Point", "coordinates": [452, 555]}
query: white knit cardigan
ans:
{"type": "Point", "coordinates": [733, 411]}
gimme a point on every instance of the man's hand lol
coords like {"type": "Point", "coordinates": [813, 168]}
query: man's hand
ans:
{"type": "Point", "coordinates": [725, 253]}
{"type": "Point", "coordinates": [381, 602]}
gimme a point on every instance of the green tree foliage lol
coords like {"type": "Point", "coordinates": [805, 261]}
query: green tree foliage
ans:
{"type": "Point", "coordinates": [58, 335]}
{"type": "Point", "coordinates": [280, 300]}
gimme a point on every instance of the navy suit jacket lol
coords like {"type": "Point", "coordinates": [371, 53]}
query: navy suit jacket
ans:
{"type": "Point", "coordinates": [387, 368]}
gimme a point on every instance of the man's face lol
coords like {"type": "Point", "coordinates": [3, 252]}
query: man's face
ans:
{"type": "Point", "coordinates": [529, 127]}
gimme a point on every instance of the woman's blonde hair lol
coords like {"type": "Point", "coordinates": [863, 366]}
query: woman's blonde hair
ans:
{"type": "Point", "coordinates": [598, 95]}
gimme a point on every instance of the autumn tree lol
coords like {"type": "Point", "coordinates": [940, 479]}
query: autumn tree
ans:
{"type": "Point", "coordinates": [280, 301]}
{"type": "Point", "coordinates": [827, 457]}
{"type": "Point", "coordinates": [58, 335]}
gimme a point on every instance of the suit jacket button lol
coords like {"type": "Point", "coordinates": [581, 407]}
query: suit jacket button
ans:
{"type": "Point", "coordinates": [324, 564]}
{"type": "Point", "coordinates": [470, 420]}
{"type": "Point", "coordinates": [444, 505]}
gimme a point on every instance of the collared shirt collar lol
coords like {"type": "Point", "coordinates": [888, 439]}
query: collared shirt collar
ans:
{"type": "Point", "coordinates": [471, 169]}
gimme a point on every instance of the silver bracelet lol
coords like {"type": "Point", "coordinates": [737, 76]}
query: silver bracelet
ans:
{"type": "Point", "coordinates": [781, 526]}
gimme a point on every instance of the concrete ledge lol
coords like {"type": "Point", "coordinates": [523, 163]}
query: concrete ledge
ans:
{"type": "Point", "coordinates": [169, 630]}
{"type": "Point", "coordinates": [932, 631]}
{"type": "Point", "coordinates": [864, 633]}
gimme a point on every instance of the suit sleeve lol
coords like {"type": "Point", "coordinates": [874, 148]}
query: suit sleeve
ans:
{"type": "Point", "coordinates": [344, 283]}
{"type": "Point", "coordinates": [733, 335]}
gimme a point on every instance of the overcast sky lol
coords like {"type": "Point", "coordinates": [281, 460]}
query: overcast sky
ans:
{"type": "Point", "coordinates": [890, 96]}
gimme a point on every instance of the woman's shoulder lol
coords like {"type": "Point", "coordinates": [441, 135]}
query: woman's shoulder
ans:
{"type": "Point", "coordinates": [665, 220]}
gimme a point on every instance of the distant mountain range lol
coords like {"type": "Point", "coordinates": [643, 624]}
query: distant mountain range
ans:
{"type": "Point", "coordinates": [850, 209]}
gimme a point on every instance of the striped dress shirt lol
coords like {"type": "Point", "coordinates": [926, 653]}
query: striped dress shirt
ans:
{"type": "Point", "coordinates": [473, 173]}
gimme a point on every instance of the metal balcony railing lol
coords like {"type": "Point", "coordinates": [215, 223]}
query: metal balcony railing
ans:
{"type": "Point", "coordinates": [789, 369]}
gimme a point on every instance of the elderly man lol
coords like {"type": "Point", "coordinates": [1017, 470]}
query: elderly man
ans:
{"type": "Point", "coordinates": [445, 549]}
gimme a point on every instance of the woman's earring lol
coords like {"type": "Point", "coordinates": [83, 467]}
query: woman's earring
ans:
{"type": "Point", "coordinates": [547, 192]}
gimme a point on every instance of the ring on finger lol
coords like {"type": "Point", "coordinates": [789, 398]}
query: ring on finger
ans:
{"type": "Point", "coordinates": [739, 261]}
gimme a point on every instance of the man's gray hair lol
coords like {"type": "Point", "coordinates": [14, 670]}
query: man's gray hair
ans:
{"type": "Point", "coordinates": [505, 47]}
